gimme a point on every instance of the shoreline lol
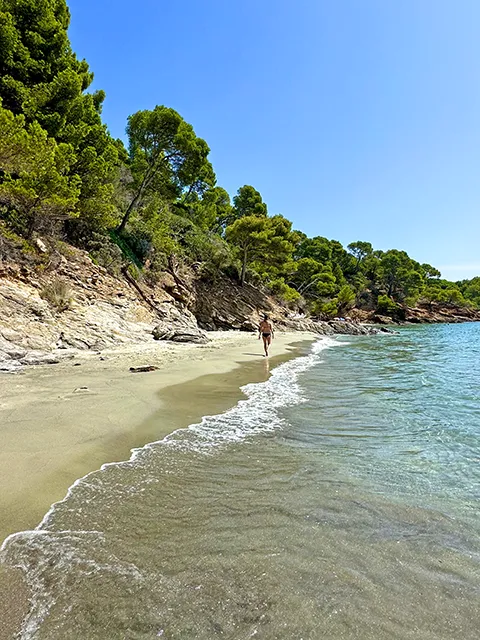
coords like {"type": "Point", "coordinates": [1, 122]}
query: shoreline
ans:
{"type": "Point", "coordinates": [56, 431]}
{"type": "Point", "coordinates": [62, 422]}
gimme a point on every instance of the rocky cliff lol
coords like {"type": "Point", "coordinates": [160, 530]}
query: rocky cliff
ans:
{"type": "Point", "coordinates": [52, 307]}
{"type": "Point", "coordinates": [423, 314]}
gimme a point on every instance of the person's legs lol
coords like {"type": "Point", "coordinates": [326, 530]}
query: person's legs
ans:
{"type": "Point", "coordinates": [266, 343]}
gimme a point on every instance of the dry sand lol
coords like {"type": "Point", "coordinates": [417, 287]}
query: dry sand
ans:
{"type": "Point", "coordinates": [59, 422]}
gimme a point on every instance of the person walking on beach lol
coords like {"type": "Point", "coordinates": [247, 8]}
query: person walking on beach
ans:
{"type": "Point", "coordinates": [265, 331]}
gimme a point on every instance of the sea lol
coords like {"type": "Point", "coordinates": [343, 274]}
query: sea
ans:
{"type": "Point", "coordinates": [338, 500]}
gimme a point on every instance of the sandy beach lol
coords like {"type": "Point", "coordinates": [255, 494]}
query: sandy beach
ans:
{"type": "Point", "coordinates": [60, 422]}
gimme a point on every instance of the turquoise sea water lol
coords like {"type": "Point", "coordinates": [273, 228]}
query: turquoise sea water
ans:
{"type": "Point", "coordinates": [338, 501]}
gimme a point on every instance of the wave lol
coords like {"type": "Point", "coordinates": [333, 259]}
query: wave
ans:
{"type": "Point", "coordinates": [34, 551]}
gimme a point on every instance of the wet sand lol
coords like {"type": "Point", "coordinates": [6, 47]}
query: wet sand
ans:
{"type": "Point", "coordinates": [13, 602]}
{"type": "Point", "coordinates": [60, 422]}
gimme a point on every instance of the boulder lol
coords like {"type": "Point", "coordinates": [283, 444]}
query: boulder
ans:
{"type": "Point", "coordinates": [224, 304]}
{"type": "Point", "coordinates": [41, 246]}
{"type": "Point", "coordinates": [379, 319]}
{"type": "Point", "coordinates": [178, 325]}
{"type": "Point", "coordinates": [351, 328]}
{"type": "Point", "coordinates": [167, 331]}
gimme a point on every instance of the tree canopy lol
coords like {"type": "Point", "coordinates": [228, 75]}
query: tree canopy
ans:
{"type": "Point", "coordinates": [166, 158]}
{"type": "Point", "coordinates": [156, 203]}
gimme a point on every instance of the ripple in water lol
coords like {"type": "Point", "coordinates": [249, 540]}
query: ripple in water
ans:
{"type": "Point", "coordinates": [339, 500]}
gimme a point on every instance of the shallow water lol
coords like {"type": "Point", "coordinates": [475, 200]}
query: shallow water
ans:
{"type": "Point", "coordinates": [339, 501]}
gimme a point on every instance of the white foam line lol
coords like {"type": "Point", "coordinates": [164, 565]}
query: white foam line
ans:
{"type": "Point", "coordinates": [307, 361]}
{"type": "Point", "coordinates": [274, 395]}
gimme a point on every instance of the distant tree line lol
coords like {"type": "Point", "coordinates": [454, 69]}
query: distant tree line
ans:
{"type": "Point", "coordinates": [62, 174]}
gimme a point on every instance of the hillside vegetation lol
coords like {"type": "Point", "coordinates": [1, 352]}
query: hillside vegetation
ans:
{"type": "Point", "coordinates": [155, 206]}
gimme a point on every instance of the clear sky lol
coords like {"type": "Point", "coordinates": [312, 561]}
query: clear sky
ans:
{"type": "Point", "coordinates": [356, 119]}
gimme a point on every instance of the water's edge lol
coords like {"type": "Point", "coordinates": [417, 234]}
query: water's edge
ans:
{"type": "Point", "coordinates": [17, 608]}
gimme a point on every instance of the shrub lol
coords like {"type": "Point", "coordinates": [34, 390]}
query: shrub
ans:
{"type": "Point", "coordinates": [108, 256]}
{"type": "Point", "coordinates": [58, 294]}
{"type": "Point", "coordinates": [134, 271]}
{"type": "Point", "coordinates": [211, 254]}
{"type": "Point", "coordinates": [132, 247]}
{"type": "Point", "coordinates": [346, 298]}
{"type": "Point", "coordinates": [286, 293]}
{"type": "Point", "coordinates": [329, 309]}
{"type": "Point", "coordinates": [325, 309]}
{"type": "Point", "coordinates": [386, 306]}
{"type": "Point", "coordinates": [13, 246]}
{"type": "Point", "coordinates": [454, 296]}
{"type": "Point", "coordinates": [253, 278]}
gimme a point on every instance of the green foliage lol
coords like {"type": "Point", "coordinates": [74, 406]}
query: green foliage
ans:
{"type": "Point", "coordinates": [248, 235]}
{"type": "Point", "coordinates": [166, 158]}
{"type": "Point", "coordinates": [208, 249]}
{"type": "Point", "coordinates": [325, 283]}
{"type": "Point", "coordinates": [39, 74]}
{"type": "Point", "coordinates": [359, 282]}
{"type": "Point", "coordinates": [453, 296]}
{"type": "Point", "coordinates": [133, 271]}
{"type": "Point", "coordinates": [211, 211]}
{"type": "Point", "coordinates": [266, 243]}
{"type": "Point", "coordinates": [386, 306]}
{"type": "Point", "coordinates": [41, 78]}
{"type": "Point", "coordinates": [360, 250]}
{"type": "Point", "coordinates": [13, 246]}
{"type": "Point", "coordinates": [371, 269]}
{"type": "Point", "coordinates": [470, 289]}
{"type": "Point", "coordinates": [123, 244]}
{"type": "Point", "coordinates": [247, 202]}
{"type": "Point", "coordinates": [287, 294]}
{"type": "Point", "coordinates": [345, 298]}
{"type": "Point", "coordinates": [401, 276]}
{"type": "Point", "coordinates": [443, 292]}
{"type": "Point", "coordinates": [337, 272]}
{"type": "Point", "coordinates": [305, 272]}
{"type": "Point", "coordinates": [61, 170]}
{"type": "Point", "coordinates": [106, 253]}
{"type": "Point", "coordinates": [430, 272]}
{"type": "Point", "coordinates": [326, 310]}
{"type": "Point", "coordinates": [342, 258]}
{"type": "Point", "coordinates": [318, 249]}
{"type": "Point", "coordinates": [58, 294]}
{"type": "Point", "coordinates": [35, 184]}
{"type": "Point", "coordinates": [313, 279]}
{"type": "Point", "coordinates": [432, 294]}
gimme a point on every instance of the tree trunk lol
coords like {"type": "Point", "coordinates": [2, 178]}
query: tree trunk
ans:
{"type": "Point", "coordinates": [126, 215]}
{"type": "Point", "coordinates": [244, 267]}
{"type": "Point", "coordinates": [391, 283]}
{"type": "Point", "coordinates": [32, 218]}
{"type": "Point", "coordinates": [123, 224]}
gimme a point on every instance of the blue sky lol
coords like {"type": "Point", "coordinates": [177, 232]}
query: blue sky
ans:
{"type": "Point", "coordinates": [356, 119]}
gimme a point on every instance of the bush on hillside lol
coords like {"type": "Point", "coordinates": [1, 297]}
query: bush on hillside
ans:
{"type": "Point", "coordinates": [386, 306]}
{"type": "Point", "coordinates": [58, 294]}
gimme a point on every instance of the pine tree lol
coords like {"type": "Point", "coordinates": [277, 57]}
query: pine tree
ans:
{"type": "Point", "coordinates": [42, 79]}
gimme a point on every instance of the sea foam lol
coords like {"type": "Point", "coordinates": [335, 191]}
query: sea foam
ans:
{"type": "Point", "coordinates": [35, 551]}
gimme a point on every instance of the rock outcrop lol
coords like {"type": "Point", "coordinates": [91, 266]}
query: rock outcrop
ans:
{"type": "Point", "coordinates": [422, 314]}
{"type": "Point", "coordinates": [179, 326]}
{"type": "Point", "coordinates": [60, 304]}
{"type": "Point", "coordinates": [353, 329]}
{"type": "Point", "coordinates": [224, 304]}
{"type": "Point", "coordinates": [435, 313]}
{"type": "Point", "coordinates": [48, 315]}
